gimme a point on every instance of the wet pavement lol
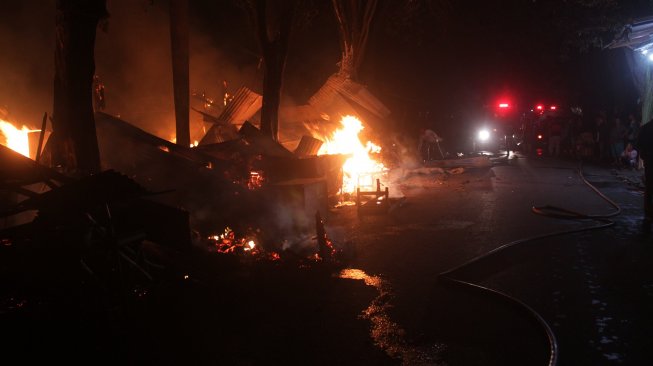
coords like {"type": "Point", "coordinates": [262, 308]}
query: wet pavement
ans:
{"type": "Point", "coordinates": [591, 287]}
{"type": "Point", "coordinates": [383, 303]}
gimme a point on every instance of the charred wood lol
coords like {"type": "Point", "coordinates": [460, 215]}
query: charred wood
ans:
{"type": "Point", "coordinates": [179, 36]}
{"type": "Point", "coordinates": [323, 249]}
{"type": "Point", "coordinates": [262, 143]}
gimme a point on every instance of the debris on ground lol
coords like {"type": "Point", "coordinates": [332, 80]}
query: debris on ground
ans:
{"type": "Point", "coordinates": [474, 162]}
{"type": "Point", "coordinates": [456, 171]}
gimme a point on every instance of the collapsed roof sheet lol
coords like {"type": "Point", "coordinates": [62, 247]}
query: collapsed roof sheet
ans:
{"type": "Point", "coordinates": [261, 143]}
{"type": "Point", "coordinates": [338, 91]}
{"type": "Point", "coordinates": [17, 170]}
{"type": "Point", "coordinates": [637, 35]}
{"type": "Point", "coordinates": [308, 146]}
{"type": "Point", "coordinates": [241, 108]}
{"type": "Point", "coordinates": [111, 129]}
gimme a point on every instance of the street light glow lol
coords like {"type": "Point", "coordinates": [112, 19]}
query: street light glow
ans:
{"type": "Point", "coordinates": [483, 135]}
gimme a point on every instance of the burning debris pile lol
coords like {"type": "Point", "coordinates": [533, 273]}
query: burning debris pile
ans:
{"type": "Point", "coordinates": [247, 247]}
{"type": "Point", "coordinates": [18, 139]}
{"type": "Point", "coordinates": [248, 182]}
{"type": "Point", "coordinates": [14, 138]}
{"type": "Point", "coordinates": [360, 170]}
{"type": "Point", "coordinates": [244, 193]}
{"type": "Point", "coordinates": [261, 197]}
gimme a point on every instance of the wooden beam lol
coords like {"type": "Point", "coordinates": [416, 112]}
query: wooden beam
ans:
{"type": "Point", "coordinates": [179, 40]}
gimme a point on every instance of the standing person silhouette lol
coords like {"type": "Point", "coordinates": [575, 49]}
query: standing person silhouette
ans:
{"type": "Point", "coordinates": [428, 141]}
{"type": "Point", "coordinates": [645, 147]}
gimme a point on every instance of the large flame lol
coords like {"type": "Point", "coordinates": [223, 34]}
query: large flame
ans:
{"type": "Point", "coordinates": [360, 170]}
{"type": "Point", "coordinates": [13, 138]}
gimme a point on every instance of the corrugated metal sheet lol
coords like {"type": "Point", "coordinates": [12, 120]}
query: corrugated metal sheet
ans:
{"type": "Point", "coordinates": [261, 143]}
{"type": "Point", "coordinates": [240, 109]}
{"type": "Point", "coordinates": [337, 93]}
{"type": "Point", "coordinates": [328, 100]}
{"type": "Point", "coordinates": [637, 35]}
{"type": "Point", "coordinates": [361, 95]}
{"type": "Point", "coordinates": [219, 133]}
{"type": "Point", "coordinates": [228, 149]}
{"type": "Point", "coordinates": [308, 146]}
{"type": "Point", "coordinates": [299, 114]}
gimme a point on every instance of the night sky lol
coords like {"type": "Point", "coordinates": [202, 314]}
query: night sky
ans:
{"type": "Point", "coordinates": [447, 58]}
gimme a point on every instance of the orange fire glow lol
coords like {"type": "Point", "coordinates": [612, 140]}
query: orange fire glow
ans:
{"type": "Point", "coordinates": [360, 170]}
{"type": "Point", "coordinates": [228, 243]}
{"type": "Point", "coordinates": [14, 138]}
{"type": "Point", "coordinates": [173, 139]}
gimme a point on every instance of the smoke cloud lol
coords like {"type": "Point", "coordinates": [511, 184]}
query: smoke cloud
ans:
{"type": "Point", "coordinates": [26, 60]}
{"type": "Point", "coordinates": [133, 59]}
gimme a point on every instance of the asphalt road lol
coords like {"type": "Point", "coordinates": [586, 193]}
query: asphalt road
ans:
{"type": "Point", "coordinates": [594, 288]}
{"type": "Point", "coordinates": [388, 306]}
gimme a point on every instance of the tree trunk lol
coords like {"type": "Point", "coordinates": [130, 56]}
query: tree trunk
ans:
{"type": "Point", "coordinates": [179, 39]}
{"type": "Point", "coordinates": [274, 20]}
{"type": "Point", "coordinates": [74, 140]}
{"type": "Point", "coordinates": [272, 83]}
{"type": "Point", "coordinates": [354, 20]}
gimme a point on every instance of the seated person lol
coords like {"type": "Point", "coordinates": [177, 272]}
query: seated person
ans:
{"type": "Point", "coordinates": [629, 156]}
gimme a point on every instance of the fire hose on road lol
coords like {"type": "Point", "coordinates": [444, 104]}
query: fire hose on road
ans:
{"type": "Point", "coordinates": [454, 275]}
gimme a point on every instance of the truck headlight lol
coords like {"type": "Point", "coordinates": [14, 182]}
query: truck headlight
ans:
{"type": "Point", "coordinates": [483, 135]}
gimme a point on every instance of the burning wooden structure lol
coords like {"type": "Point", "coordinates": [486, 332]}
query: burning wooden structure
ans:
{"type": "Point", "coordinates": [239, 176]}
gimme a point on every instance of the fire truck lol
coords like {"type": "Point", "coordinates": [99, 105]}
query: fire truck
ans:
{"type": "Point", "coordinates": [544, 121]}
{"type": "Point", "coordinates": [500, 130]}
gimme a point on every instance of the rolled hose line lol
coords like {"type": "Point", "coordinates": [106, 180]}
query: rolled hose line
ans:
{"type": "Point", "coordinates": [602, 221]}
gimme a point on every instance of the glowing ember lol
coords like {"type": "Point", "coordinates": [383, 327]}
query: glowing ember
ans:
{"type": "Point", "coordinates": [360, 169]}
{"type": "Point", "coordinates": [173, 139]}
{"type": "Point", "coordinates": [15, 139]}
{"type": "Point", "coordinates": [255, 180]}
{"type": "Point", "coordinates": [250, 245]}
{"type": "Point", "coordinates": [227, 242]}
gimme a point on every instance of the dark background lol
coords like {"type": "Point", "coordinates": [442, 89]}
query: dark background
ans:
{"type": "Point", "coordinates": [434, 63]}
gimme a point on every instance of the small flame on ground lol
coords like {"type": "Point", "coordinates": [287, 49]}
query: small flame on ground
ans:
{"type": "Point", "coordinates": [14, 138]}
{"type": "Point", "coordinates": [250, 245]}
{"type": "Point", "coordinates": [256, 180]}
{"type": "Point", "coordinates": [360, 169]}
{"type": "Point", "coordinates": [227, 242]}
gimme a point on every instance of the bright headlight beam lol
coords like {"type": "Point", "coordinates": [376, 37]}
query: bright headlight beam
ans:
{"type": "Point", "coordinates": [483, 135]}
